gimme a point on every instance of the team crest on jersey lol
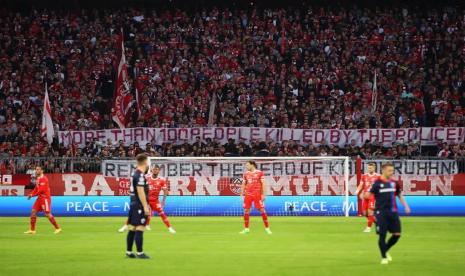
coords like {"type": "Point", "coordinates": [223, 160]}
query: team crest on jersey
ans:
{"type": "Point", "coordinates": [142, 220]}
{"type": "Point", "coordinates": [382, 185]}
{"type": "Point", "coordinates": [139, 211]}
{"type": "Point", "coordinates": [235, 184]}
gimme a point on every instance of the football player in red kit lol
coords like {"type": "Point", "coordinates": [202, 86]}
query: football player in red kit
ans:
{"type": "Point", "coordinates": [368, 205]}
{"type": "Point", "coordinates": [156, 185]}
{"type": "Point", "coordinates": [43, 202]}
{"type": "Point", "coordinates": [253, 187]}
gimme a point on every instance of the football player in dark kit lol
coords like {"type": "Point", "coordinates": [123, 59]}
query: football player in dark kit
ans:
{"type": "Point", "coordinates": [385, 191]}
{"type": "Point", "coordinates": [139, 209]}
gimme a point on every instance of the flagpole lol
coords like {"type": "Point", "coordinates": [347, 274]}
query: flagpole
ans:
{"type": "Point", "coordinates": [375, 93]}
{"type": "Point", "coordinates": [138, 109]}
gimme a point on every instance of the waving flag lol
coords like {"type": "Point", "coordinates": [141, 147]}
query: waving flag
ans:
{"type": "Point", "coordinates": [46, 129]}
{"type": "Point", "coordinates": [123, 98]}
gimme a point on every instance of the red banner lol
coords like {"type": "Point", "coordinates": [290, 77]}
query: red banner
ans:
{"type": "Point", "coordinates": [82, 184]}
{"type": "Point", "coordinates": [15, 179]}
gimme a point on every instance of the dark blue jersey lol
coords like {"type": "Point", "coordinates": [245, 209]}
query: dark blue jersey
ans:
{"type": "Point", "coordinates": [385, 192]}
{"type": "Point", "coordinates": [138, 180]}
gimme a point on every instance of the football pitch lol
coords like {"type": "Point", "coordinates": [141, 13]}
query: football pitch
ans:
{"type": "Point", "coordinates": [212, 246]}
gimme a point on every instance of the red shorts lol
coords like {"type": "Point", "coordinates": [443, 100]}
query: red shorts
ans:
{"type": "Point", "coordinates": [256, 199]}
{"type": "Point", "coordinates": [42, 205]}
{"type": "Point", "coordinates": [368, 204]}
{"type": "Point", "coordinates": [156, 206]}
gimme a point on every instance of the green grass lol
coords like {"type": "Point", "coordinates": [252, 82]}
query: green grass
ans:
{"type": "Point", "coordinates": [212, 246]}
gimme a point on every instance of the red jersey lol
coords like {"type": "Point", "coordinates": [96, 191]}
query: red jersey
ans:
{"type": "Point", "coordinates": [368, 179]}
{"type": "Point", "coordinates": [155, 186]}
{"type": "Point", "coordinates": [42, 189]}
{"type": "Point", "coordinates": [253, 182]}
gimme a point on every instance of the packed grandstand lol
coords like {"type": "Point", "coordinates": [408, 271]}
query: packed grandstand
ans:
{"type": "Point", "coordinates": [293, 68]}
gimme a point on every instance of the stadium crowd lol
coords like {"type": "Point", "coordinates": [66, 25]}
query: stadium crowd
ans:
{"type": "Point", "coordinates": [296, 68]}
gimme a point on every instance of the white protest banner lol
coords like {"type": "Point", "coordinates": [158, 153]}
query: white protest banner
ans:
{"type": "Point", "coordinates": [339, 137]}
{"type": "Point", "coordinates": [293, 177]}
{"type": "Point", "coordinates": [124, 167]}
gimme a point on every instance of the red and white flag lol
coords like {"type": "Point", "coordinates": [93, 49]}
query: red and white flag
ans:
{"type": "Point", "coordinates": [46, 129]}
{"type": "Point", "coordinates": [123, 98]}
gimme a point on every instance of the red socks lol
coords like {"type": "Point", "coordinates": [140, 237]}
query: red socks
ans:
{"type": "Point", "coordinates": [165, 220]}
{"type": "Point", "coordinates": [265, 219]}
{"type": "Point", "coordinates": [53, 221]}
{"type": "Point", "coordinates": [163, 217]}
{"type": "Point", "coordinates": [50, 218]}
{"type": "Point", "coordinates": [246, 220]}
{"type": "Point", "coordinates": [371, 219]}
{"type": "Point", "coordinates": [33, 223]}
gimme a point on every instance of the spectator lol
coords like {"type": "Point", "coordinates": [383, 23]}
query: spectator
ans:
{"type": "Point", "coordinates": [263, 150]}
{"type": "Point", "coordinates": [444, 152]}
{"type": "Point", "coordinates": [231, 148]}
{"type": "Point", "coordinates": [290, 67]}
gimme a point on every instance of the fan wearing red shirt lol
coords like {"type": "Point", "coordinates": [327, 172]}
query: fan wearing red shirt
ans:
{"type": "Point", "coordinates": [253, 187]}
{"type": "Point", "coordinates": [368, 205]}
{"type": "Point", "coordinates": [43, 202]}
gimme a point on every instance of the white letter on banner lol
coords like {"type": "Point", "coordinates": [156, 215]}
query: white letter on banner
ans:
{"type": "Point", "coordinates": [335, 183]}
{"type": "Point", "coordinates": [73, 184]}
{"type": "Point", "coordinates": [126, 206]}
{"type": "Point", "coordinates": [409, 184]}
{"type": "Point", "coordinates": [105, 206]}
{"type": "Point", "coordinates": [178, 185]}
{"type": "Point", "coordinates": [305, 206]}
{"type": "Point", "coordinates": [69, 205]}
{"type": "Point", "coordinates": [206, 186]}
{"type": "Point", "coordinates": [281, 185]}
{"type": "Point", "coordinates": [100, 184]}
{"type": "Point", "coordinates": [87, 207]}
{"type": "Point", "coordinates": [441, 183]}
{"type": "Point", "coordinates": [299, 183]}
